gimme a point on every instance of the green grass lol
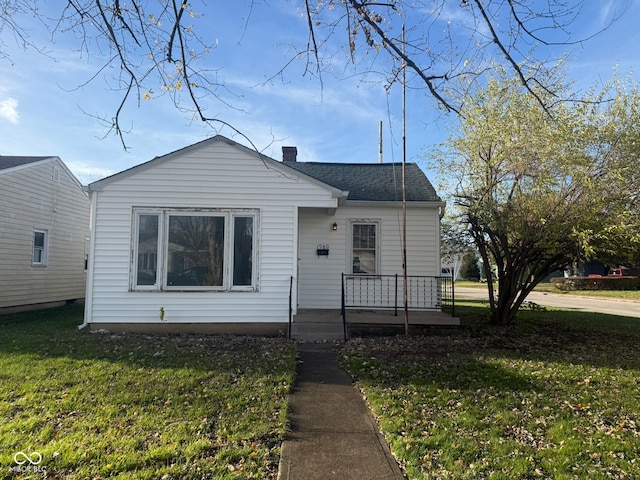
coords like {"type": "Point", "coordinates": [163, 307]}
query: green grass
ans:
{"type": "Point", "coordinates": [625, 294]}
{"type": "Point", "coordinates": [142, 407]}
{"type": "Point", "coordinates": [555, 396]}
{"type": "Point", "coordinates": [551, 288]}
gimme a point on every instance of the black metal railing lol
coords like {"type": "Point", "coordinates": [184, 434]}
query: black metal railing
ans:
{"type": "Point", "coordinates": [386, 292]}
{"type": "Point", "coordinates": [448, 295]}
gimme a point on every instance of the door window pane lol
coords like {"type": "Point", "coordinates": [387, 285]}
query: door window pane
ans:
{"type": "Point", "coordinates": [147, 250]}
{"type": "Point", "coordinates": [195, 251]}
{"type": "Point", "coordinates": [242, 251]}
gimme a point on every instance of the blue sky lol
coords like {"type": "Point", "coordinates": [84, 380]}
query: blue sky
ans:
{"type": "Point", "coordinates": [46, 108]}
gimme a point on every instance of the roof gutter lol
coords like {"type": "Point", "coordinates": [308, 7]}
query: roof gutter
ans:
{"type": "Point", "coordinates": [395, 203]}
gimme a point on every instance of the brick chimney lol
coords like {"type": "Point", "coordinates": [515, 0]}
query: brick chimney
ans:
{"type": "Point", "coordinates": [289, 154]}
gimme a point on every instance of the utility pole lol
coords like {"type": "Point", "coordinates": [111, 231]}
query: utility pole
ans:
{"type": "Point", "coordinates": [404, 190]}
{"type": "Point", "coordinates": [380, 142]}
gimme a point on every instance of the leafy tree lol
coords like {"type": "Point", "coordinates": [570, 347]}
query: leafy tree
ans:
{"type": "Point", "coordinates": [540, 188]}
{"type": "Point", "coordinates": [454, 244]}
{"type": "Point", "coordinates": [470, 269]}
{"type": "Point", "coordinates": [165, 47]}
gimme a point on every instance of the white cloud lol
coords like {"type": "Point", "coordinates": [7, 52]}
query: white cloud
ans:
{"type": "Point", "coordinates": [9, 110]}
{"type": "Point", "coordinates": [607, 11]}
{"type": "Point", "coordinates": [87, 173]}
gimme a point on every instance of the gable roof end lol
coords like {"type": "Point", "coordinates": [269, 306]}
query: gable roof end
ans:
{"type": "Point", "coordinates": [12, 163]}
{"type": "Point", "coordinates": [7, 162]}
{"type": "Point", "coordinates": [267, 161]}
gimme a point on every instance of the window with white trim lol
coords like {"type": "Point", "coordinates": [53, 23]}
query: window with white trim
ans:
{"type": "Point", "coordinates": [40, 248]}
{"type": "Point", "coordinates": [185, 249]}
{"type": "Point", "coordinates": [364, 251]}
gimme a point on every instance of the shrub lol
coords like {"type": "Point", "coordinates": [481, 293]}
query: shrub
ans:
{"type": "Point", "coordinates": [597, 283]}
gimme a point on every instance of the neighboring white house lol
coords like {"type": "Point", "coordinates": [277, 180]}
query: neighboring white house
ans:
{"type": "Point", "coordinates": [217, 237]}
{"type": "Point", "coordinates": [44, 233]}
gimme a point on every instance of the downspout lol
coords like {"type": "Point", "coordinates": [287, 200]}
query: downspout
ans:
{"type": "Point", "coordinates": [295, 264]}
{"type": "Point", "coordinates": [88, 297]}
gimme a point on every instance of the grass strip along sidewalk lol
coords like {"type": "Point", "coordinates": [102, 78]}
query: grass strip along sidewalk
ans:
{"type": "Point", "coordinates": [556, 396]}
{"type": "Point", "coordinates": [133, 406]}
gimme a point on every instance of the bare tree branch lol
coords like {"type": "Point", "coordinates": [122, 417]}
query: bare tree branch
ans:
{"type": "Point", "coordinates": [507, 55]}
{"type": "Point", "coordinates": [538, 38]}
{"type": "Point", "coordinates": [155, 52]}
{"type": "Point", "coordinates": [366, 16]}
{"type": "Point", "coordinates": [176, 28]}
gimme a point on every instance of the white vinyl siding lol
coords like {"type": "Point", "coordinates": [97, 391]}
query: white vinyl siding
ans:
{"type": "Point", "coordinates": [214, 176]}
{"type": "Point", "coordinates": [30, 200]}
{"type": "Point", "coordinates": [320, 277]}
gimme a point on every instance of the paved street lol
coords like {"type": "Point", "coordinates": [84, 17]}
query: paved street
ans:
{"type": "Point", "coordinates": [625, 308]}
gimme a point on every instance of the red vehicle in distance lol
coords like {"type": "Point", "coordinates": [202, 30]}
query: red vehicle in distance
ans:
{"type": "Point", "coordinates": [619, 272]}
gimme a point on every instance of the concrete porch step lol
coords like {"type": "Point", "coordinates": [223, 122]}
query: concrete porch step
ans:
{"type": "Point", "coordinates": [326, 325]}
{"type": "Point", "coordinates": [317, 331]}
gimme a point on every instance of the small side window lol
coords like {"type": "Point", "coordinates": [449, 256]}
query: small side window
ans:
{"type": "Point", "coordinates": [40, 239]}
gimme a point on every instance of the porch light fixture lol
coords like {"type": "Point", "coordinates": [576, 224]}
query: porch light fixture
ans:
{"type": "Point", "coordinates": [334, 227]}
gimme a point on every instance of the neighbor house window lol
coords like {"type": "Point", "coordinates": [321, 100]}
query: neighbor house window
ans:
{"type": "Point", "coordinates": [39, 248]}
{"type": "Point", "coordinates": [204, 250]}
{"type": "Point", "coordinates": [364, 247]}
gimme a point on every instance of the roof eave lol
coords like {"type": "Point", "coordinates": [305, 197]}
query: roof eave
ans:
{"type": "Point", "coordinates": [30, 164]}
{"type": "Point", "coordinates": [395, 203]}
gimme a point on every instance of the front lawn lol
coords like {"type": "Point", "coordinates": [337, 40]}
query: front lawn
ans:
{"type": "Point", "coordinates": [624, 294]}
{"type": "Point", "coordinates": [134, 406]}
{"type": "Point", "coordinates": [556, 396]}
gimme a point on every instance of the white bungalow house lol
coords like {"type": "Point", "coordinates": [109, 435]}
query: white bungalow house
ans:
{"type": "Point", "coordinates": [44, 233]}
{"type": "Point", "coordinates": [216, 237]}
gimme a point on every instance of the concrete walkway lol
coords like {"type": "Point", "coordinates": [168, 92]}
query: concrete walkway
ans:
{"type": "Point", "coordinates": [333, 433]}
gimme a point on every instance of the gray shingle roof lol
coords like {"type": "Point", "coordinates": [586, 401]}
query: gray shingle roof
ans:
{"type": "Point", "coordinates": [10, 162]}
{"type": "Point", "coordinates": [371, 181]}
